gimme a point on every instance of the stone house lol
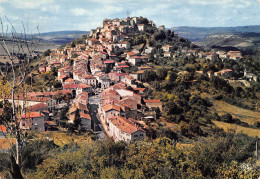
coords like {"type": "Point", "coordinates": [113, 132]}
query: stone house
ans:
{"type": "Point", "coordinates": [32, 121]}
{"type": "Point", "coordinates": [124, 129]}
{"type": "Point", "coordinates": [153, 103]}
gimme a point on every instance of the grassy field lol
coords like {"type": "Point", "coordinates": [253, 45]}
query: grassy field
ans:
{"type": "Point", "coordinates": [249, 131]}
{"type": "Point", "coordinates": [63, 138]}
{"type": "Point", "coordinates": [244, 115]}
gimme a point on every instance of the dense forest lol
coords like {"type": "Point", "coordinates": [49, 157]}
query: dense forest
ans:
{"type": "Point", "coordinates": [225, 155]}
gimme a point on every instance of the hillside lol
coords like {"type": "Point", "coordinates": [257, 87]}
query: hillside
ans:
{"type": "Point", "coordinates": [157, 97]}
{"type": "Point", "coordinates": [198, 33]}
{"type": "Point", "coordinates": [238, 129]}
{"type": "Point", "coordinates": [61, 37]}
{"type": "Point", "coordinates": [239, 40]}
{"type": "Point", "coordinates": [244, 115]}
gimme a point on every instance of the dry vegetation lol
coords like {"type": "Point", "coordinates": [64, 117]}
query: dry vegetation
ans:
{"type": "Point", "coordinates": [248, 131]}
{"type": "Point", "coordinates": [244, 115]}
{"type": "Point", "coordinates": [63, 138]}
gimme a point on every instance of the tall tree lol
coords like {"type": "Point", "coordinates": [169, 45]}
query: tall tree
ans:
{"type": "Point", "coordinates": [77, 120]}
{"type": "Point", "coordinates": [15, 81]}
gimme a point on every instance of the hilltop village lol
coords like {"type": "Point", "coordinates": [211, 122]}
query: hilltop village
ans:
{"type": "Point", "coordinates": [132, 100]}
{"type": "Point", "coordinates": [111, 68]}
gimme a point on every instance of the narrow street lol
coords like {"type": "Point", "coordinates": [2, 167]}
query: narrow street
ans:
{"type": "Point", "coordinates": [96, 125]}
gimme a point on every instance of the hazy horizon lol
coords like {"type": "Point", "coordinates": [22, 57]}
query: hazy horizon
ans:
{"type": "Point", "coordinates": [84, 15]}
{"type": "Point", "coordinates": [165, 27]}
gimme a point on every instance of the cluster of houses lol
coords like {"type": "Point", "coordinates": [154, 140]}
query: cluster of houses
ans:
{"type": "Point", "coordinates": [102, 65]}
{"type": "Point", "coordinates": [121, 111]}
{"type": "Point", "coordinates": [94, 66]}
{"type": "Point", "coordinates": [212, 56]}
{"type": "Point", "coordinates": [39, 106]}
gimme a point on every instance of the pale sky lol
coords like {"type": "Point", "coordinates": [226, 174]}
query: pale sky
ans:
{"type": "Point", "coordinates": [56, 15]}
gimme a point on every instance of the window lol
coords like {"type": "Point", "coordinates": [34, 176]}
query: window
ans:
{"type": "Point", "coordinates": [135, 135]}
{"type": "Point", "coordinates": [141, 135]}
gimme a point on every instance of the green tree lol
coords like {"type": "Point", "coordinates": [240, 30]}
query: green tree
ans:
{"type": "Point", "coordinates": [77, 121]}
{"type": "Point", "coordinates": [47, 53]}
{"type": "Point", "coordinates": [72, 44]}
{"type": "Point", "coordinates": [149, 76]}
{"type": "Point", "coordinates": [161, 73]}
{"type": "Point", "coordinates": [74, 55]}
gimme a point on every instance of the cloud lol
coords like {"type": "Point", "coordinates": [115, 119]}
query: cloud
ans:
{"type": "Point", "coordinates": [51, 8]}
{"type": "Point", "coordinates": [12, 17]}
{"type": "Point", "coordinates": [207, 2]}
{"type": "Point", "coordinates": [80, 12]}
{"type": "Point", "coordinates": [106, 1]}
{"type": "Point", "coordinates": [86, 14]}
{"type": "Point", "coordinates": [27, 4]}
{"type": "Point", "coordinates": [113, 9]}
{"type": "Point", "coordinates": [87, 26]}
{"type": "Point", "coordinates": [2, 11]}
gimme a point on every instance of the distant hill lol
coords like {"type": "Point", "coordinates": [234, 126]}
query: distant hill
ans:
{"type": "Point", "coordinates": [48, 40]}
{"type": "Point", "coordinates": [195, 34]}
{"type": "Point", "coordinates": [61, 37]}
{"type": "Point", "coordinates": [239, 40]}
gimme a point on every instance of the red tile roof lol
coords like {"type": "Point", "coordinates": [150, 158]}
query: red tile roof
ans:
{"type": "Point", "coordinates": [37, 107]}
{"type": "Point", "coordinates": [152, 100]}
{"type": "Point", "coordinates": [70, 86]}
{"type": "Point", "coordinates": [122, 66]}
{"type": "Point", "coordinates": [125, 124]}
{"type": "Point", "coordinates": [139, 89]}
{"type": "Point", "coordinates": [131, 53]}
{"type": "Point", "coordinates": [86, 116]}
{"type": "Point", "coordinates": [69, 80]}
{"type": "Point", "coordinates": [32, 114]}
{"type": "Point", "coordinates": [94, 40]}
{"type": "Point", "coordinates": [226, 70]}
{"type": "Point", "coordinates": [48, 112]}
{"type": "Point", "coordinates": [88, 77]}
{"type": "Point", "coordinates": [33, 98]}
{"type": "Point", "coordinates": [119, 86]}
{"type": "Point", "coordinates": [63, 76]}
{"type": "Point", "coordinates": [2, 128]}
{"type": "Point", "coordinates": [111, 106]}
{"type": "Point", "coordinates": [109, 91]}
{"type": "Point", "coordinates": [84, 86]}
{"type": "Point", "coordinates": [109, 61]}
{"type": "Point", "coordinates": [62, 92]}
{"type": "Point", "coordinates": [82, 97]}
